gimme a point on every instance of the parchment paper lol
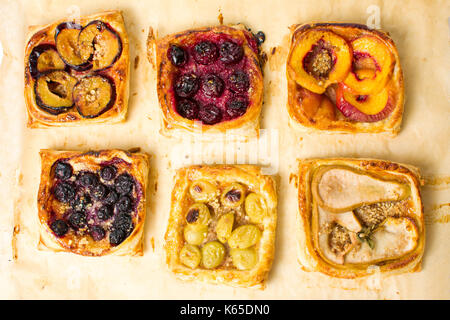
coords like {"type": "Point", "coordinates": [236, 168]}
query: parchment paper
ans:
{"type": "Point", "coordinates": [421, 32]}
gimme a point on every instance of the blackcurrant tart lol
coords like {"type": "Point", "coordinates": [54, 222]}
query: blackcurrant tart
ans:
{"type": "Point", "coordinates": [200, 73]}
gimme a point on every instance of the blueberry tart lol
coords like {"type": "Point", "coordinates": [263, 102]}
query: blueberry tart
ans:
{"type": "Point", "coordinates": [344, 78]}
{"type": "Point", "coordinates": [209, 81]}
{"type": "Point", "coordinates": [76, 72]}
{"type": "Point", "coordinates": [92, 203]}
{"type": "Point", "coordinates": [359, 217]}
{"type": "Point", "coordinates": [222, 225]}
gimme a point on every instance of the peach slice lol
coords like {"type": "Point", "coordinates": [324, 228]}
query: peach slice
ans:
{"type": "Point", "coordinates": [372, 63]}
{"type": "Point", "coordinates": [316, 106]}
{"type": "Point", "coordinates": [363, 108]}
{"type": "Point", "coordinates": [320, 58]}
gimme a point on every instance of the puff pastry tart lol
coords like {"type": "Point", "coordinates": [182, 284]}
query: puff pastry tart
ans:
{"type": "Point", "coordinates": [210, 81]}
{"type": "Point", "coordinates": [344, 78]}
{"type": "Point", "coordinates": [76, 72]}
{"type": "Point", "coordinates": [222, 225]}
{"type": "Point", "coordinates": [359, 216]}
{"type": "Point", "coordinates": [92, 203]}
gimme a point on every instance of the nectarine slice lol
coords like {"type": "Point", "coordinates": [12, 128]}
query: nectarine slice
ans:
{"type": "Point", "coordinates": [363, 108]}
{"type": "Point", "coordinates": [372, 63]}
{"type": "Point", "coordinates": [315, 105]}
{"type": "Point", "coordinates": [320, 58]}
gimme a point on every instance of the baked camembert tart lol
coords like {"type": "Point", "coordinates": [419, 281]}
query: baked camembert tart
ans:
{"type": "Point", "coordinates": [345, 78]}
{"type": "Point", "coordinates": [92, 203]}
{"type": "Point", "coordinates": [360, 216]}
{"type": "Point", "coordinates": [76, 71]}
{"type": "Point", "coordinates": [210, 78]}
{"type": "Point", "coordinates": [222, 225]}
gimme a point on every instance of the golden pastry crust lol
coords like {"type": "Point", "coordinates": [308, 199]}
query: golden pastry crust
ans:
{"type": "Point", "coordinates": [300, 120]}
{"type": "Point", "coordinates": [173, 124]}
{"type": "Point", "coordinates": [311, 255]}
{"type": "Point", "coordinates": [118, 73]}
{"type": "Point", "coordinates": [135, 164]}
{"type": "Point", "coordinates": [223, 175]}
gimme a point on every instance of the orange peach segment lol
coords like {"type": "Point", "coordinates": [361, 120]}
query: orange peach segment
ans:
{"type": "Point", "coordinates": [326, 110]}
{"type": "Point", "coordinates": [319, 58]}
{"type": "Point", "coordinates": [364, 108]}
{"type": "Point", "coordinates": [372, 63]}
{"type": "Point", "coordinates": [315, 106]}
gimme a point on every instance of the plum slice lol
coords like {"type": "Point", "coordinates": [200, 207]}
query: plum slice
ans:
{"type": "Point", "coordinates": [54, 91]}
{"type": "Point", "coordinates": [99, 44]}
{"type": "Point", "coordinates": [44, 58]}
{"type": "Point", "coordinates": [66, 38]}
{"type": "Point", "coordinates": [93, 96]}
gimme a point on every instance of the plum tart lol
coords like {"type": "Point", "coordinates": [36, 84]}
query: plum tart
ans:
{"type": "Point", "coordinates": [344, 78]}
{"type": "Point", "coordinates": [360, 216]}
{"type": "Point", "coordinates": [92, 203]}
{"type": "Point", "coordinates": [222, 225]}
{"type": "Point", "coordinates": [76, 72]}
{"type": "Point", "coordinates": [210, 78]}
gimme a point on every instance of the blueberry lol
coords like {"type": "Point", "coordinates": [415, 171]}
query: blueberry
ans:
{"type": "Point", "coordinates": [236, 107]}
{"type": "Point", "coordinates": [78, 220]}
{"type": "Point", "coordinates": [59, 227]}
{"type": "Point", "coordinates": [123, 222]}
{"type": "Point", "coordinates": [104, 213]}
{"type": "Point", "coordinates": [177, 55]}
{"type": "Point", "coordinates": [124, 183]}
{"type": "Point", "coordinates": [63, 170]}
{"type": "Point", "coordinates": [108, 173]}
{"type": "Point", "coordinates": [124, 204]}
{"type": "Point", "coordinates": [121, 228]}
{"type": "Point", "coordinates": [205, 52]}
{"type": "Point", "coordinates": [87, 179]}
{"type": "Point", "coordinates": [111, 198]}
{"type": "Point", "coordinates": [186, 85]}
{"type": "Point", "coordinates": [187, 109]}
{"type": "Point", "coordinates": [64, 192]}
{"type": "Point", "coordinates": [260, 37]}
{"type": "Point", "coordinates": [239, 82]}
{"type": "Point", "coordinates": [81, 201]}
{"type": "Point", "coordinates": [117, 237]}
{"type": "Point", "coordinates": [97, 233]}
{"type": "Point", "coordinates": [210, 114]}
{"type": "Point", "coordinates": [99, 191]}
{"type": "Point", "coordinates": [230, 52]}
{"type": "Point", "coordinates": [212, 85]}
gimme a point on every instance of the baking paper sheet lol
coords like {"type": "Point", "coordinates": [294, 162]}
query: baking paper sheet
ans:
{"type": "Point", "coordinates": [421, 33]}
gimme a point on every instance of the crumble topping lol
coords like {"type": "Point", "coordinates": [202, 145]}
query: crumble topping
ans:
{"type": "Point", "coordinates": [339, 239]}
